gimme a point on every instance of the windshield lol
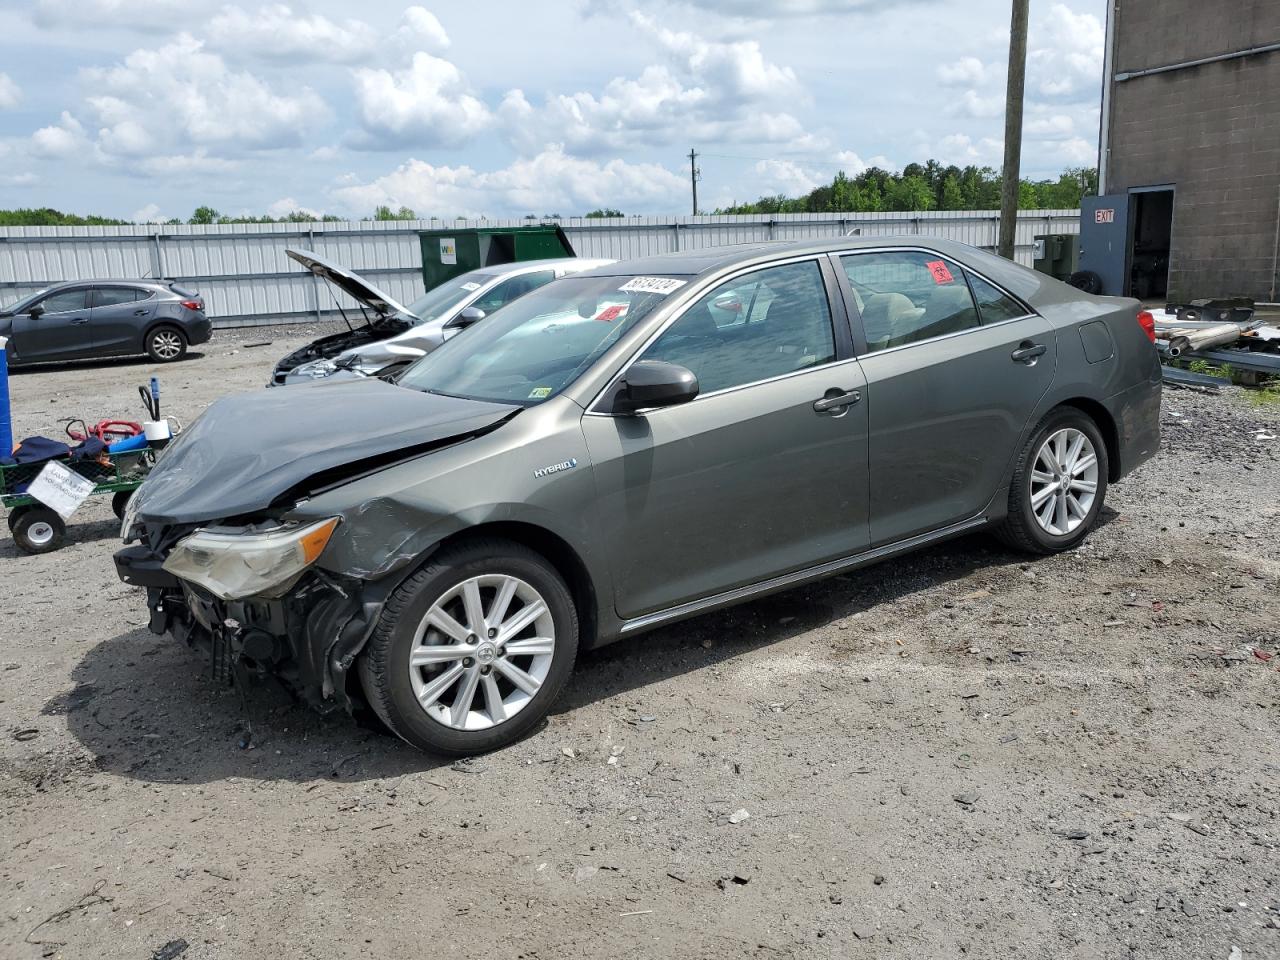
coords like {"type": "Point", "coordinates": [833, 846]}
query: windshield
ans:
{"type": "Point", "coordinates": [536, 346]}
{"type": "Point", "coordinates": [440, 300]}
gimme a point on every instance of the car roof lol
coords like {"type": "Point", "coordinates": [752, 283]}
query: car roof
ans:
{"type": "Point", "coordinates": [109, 281]}
{"type": "Point", "coordinates": [708, 260]}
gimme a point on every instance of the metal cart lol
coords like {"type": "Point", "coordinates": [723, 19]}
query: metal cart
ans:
{"type": "Point", "coordinates": [38, 529]}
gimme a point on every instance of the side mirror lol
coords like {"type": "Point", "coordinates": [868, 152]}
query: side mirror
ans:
{"type": "Point", "coordinates": [654, 383]}
{"type": "Point", "coordinates": [466, 318]}
{"type": "Point", "coordinates": [34, 312]}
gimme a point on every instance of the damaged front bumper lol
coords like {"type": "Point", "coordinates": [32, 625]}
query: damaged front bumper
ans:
{"type": "Point", "coordinates": [308, 638]}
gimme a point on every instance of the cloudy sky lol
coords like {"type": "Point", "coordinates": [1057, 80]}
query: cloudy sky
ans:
{"type": "Point", "coordinates": [145, 109]}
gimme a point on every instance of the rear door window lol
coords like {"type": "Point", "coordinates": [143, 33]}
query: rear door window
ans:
{"type": "Point", "coordinates": [111, 296]}
{"type": "Point", "coordinates": [908, 296]}
{"type": "Point", "coordinates": [994, 304]}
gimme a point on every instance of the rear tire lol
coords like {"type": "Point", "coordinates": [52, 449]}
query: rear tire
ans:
{"type": "Point", "coordinates": [166, 344]}
{"type": "Point", "coordinates": [37, 530]}
{"type": "Point", "coordinates": [445, 621]}
{"type": "Point", "coordinates": [1054, 504]}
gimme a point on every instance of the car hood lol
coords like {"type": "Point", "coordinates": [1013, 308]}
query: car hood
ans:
{"type": "Point", "coordinates": [350, 283]}
{"type": "Point", "coordinates": [246, 451]}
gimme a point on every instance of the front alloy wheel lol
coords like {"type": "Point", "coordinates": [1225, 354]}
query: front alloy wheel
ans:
{"type": "Point", "coordinates": [471, 651]}
{"type": "Point", "coordinates": [482, 652]}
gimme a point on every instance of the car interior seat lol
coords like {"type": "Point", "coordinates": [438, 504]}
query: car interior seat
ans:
{"type": "Point", "coordinates": [890, 319]}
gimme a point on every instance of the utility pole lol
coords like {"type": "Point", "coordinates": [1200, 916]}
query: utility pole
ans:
{"type": "Point", "coordinates": [1013, 127]}
{"type": "Point", "coordinates": [694, 176]}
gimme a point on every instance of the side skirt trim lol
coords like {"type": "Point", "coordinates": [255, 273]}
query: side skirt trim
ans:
{"type": "Point", "coordinates": [693, 607]}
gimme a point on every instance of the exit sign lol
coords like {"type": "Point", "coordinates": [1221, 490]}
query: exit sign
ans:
{"type": "Point", "coordinates": [1105, 216]}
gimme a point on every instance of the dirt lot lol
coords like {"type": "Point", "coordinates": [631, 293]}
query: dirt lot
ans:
{"type": "Point", "coordinates": [957, 754]}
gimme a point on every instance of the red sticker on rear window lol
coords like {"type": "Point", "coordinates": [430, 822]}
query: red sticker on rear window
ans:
{"type": "Point", "coordinates": [609, 314]}
{"type": "Point", "coordinates": [940, 272]}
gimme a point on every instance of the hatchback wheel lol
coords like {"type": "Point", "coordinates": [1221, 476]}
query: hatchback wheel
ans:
{"type": "Point", "coordinates": [471, 651]}
{"type": "Point", "coordinates": [166, 344]}
{"type": "Point", "coordinates": [1059, 484]}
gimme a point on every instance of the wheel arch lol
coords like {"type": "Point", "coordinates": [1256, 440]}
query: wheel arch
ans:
{"type": "Point", "coordinates": [1101, 416]}
{"type": "Point", "coordinates": [156, 323]}
{"type": "Point", "coordinates": [557, 551]}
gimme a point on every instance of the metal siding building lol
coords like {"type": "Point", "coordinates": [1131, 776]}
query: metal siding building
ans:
{"type": "Point", "coordinates": [246, 279]}
{"type": "Point", "coordinates": [1190, 103]}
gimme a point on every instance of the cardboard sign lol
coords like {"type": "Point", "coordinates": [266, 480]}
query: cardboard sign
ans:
{"type": "Point", "coordinates": [448, 250]}
{"type": "Point", "coordinates": [60, 489]}
{"type": "Point", "coordinates": [939, 271]}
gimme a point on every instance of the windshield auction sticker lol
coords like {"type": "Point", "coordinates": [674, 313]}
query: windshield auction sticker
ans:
{"type": "Point", "coordinates": [659, 285]}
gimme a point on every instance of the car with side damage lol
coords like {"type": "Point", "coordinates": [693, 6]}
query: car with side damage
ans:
{"type": "Point", "coordinates": [626, 447]}
{"type": "Point", "coordinates": [392, 335]}
{"type": "Point", "coordinates": [86, 319]}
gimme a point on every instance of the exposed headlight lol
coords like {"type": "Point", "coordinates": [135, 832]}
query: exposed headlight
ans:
{"type": "Point", "coordinates": [233, 565]}
{"type": "Point", "coordinates": [316, 369]}
{"type": "Point", "coordinates": [129, 518]}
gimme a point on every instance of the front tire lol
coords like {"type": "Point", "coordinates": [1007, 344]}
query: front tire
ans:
{"type": "Point", "coordinates": [1059, 484]}
{"type": "Point", "coordinates": [471, 651]}
{"type": "Point", "coordinates": [166, 344]}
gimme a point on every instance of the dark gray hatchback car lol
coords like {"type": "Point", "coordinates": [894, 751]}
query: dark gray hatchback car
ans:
{"type": "Point", "coordinates": [626, 447]}
{"type": "Point", "coordinates": [104, 318]}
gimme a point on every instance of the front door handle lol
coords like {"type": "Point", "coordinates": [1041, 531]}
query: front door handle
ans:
{"type": "Point", "coordinates": [79, 320]}
{"type": "Point", "coordinates": [1028, 351]}
{"type": "Point", "coordinates": [834, 399]}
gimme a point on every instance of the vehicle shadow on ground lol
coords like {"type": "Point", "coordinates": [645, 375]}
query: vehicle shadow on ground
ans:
{"type": "Point", "coordinates": [98, 363]}
{"type": "Point", "coordinates": [146, 708]}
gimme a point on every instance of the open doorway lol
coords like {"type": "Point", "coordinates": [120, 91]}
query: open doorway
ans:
{"type": "Point", "coordinates": [1152, 228]}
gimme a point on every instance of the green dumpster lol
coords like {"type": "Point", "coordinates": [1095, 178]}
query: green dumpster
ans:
{"type": "Point", "coordinates": [447, 253]}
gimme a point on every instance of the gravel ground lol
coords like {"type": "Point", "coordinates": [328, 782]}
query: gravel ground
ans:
{"type": "Point", "coordinates": [957, 754]}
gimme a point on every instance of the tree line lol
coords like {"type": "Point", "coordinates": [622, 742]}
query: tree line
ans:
{"type": "Point", "coordinates": [927, 186]}
{"type": "Point", "coordinates": [919, 187]}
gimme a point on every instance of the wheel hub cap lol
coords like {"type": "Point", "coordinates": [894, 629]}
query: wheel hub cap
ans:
{"type": "Point", "coordinates": [1064, 481]}
{"type": "Point", "coordinates": [482, 652]}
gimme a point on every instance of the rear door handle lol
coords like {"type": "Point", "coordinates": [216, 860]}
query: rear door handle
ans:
{"type": "Point", "coordinates": [1028, 351]}
{"type": "Point", "coordinates": [833, 400]}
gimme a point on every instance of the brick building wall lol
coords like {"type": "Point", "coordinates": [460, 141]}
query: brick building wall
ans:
{"type": "Point", "coordinates": [1213, 131]}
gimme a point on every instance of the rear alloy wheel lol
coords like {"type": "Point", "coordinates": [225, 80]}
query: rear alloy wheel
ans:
{"type": "Point", "coordinates": [166, 344]}
{"type": "Point", "coordinates": [470, 652]}
{"type": "Point", "coordinates": [1059, 484]}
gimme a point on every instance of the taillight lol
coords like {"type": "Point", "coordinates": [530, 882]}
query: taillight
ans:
{"type": "Point", "coordinates": [197, 305]}
{"type": "Point", "coordinates": [1147, 322]}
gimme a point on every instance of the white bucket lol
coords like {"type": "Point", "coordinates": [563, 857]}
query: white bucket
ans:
{"type": "Point", "coordinates": [157, 432]}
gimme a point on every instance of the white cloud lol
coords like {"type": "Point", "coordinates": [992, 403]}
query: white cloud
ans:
{"type": "Point", "coordinates": [852, 164]}
{"type": "Point", "coordinates": [287, 205]}
{"type": "Point", "coordinates": [788, 177]}
{"type": "Point", "coordinates": [429, 103]}
{"type": "Point", "coordinates": [63, 139]}
{"type": "Point", "coordinates": [774, 9]}
{"type": "Point", "coordinates": [706, 90]}
{"type": "Point", "coordinates": [965, 72]}
{"type": "Point", "coordinates": [164, 100]}
{"type": "Point", "coordinates": [1056, 126]}
{"type": "Point", "coordinates": [971, 104]}
{"type": "Point", "coordinates": [1078, 151]}
{"type": "Point", "coordinates": [151, 16]}
{"type": "Point", "coordinates": [278, 32]}
{"type": "Point", "coordinates": [10, 92]}
{"type": "Point", "coordinates": [177, 165]}
{"type": "Point", "coordinates": [18, 180]}
{"type": "Point", "coordinates": [1065, 59]}
{"type": "Point", "coordinates": [549, 182]}
{"type": "Point", "coordinates": [962, 150]}
{"type": "Point", "coordinates": [150, 213]}
{"type": "Point", "coordinates": [420, 29]}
